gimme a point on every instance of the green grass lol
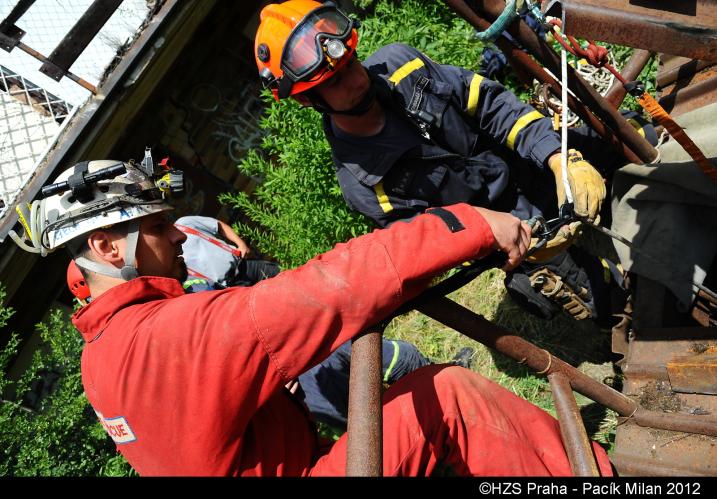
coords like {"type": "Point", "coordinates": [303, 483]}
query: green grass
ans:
{"type": "Point", "coordinates": [579, 343]}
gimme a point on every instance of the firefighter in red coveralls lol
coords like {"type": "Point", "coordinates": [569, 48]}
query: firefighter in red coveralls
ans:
{"type": "Point", "coordinates": [194, 384]}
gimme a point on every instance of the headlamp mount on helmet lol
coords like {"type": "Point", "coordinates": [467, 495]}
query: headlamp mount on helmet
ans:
{"type": "Point", "coordinates": [169, 182]}
{"type": "Point", "coordinates": [101, 194]}
{"type": "Point", "coordinates": [81, 182]}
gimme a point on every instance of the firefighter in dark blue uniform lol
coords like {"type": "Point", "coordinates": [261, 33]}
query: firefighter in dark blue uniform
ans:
{"type": "Point", "coordinates": [407, 133]}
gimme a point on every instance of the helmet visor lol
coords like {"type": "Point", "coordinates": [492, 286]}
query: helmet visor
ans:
{"type": "Point", "coordinates": [303, 53]}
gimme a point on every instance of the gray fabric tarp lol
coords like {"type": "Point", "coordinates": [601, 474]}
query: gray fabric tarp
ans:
{"type": "Point", "coordinates": [669, 211]}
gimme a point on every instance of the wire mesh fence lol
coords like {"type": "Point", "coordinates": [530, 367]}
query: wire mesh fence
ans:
{"type": "Point", "coordinates": [30, 117]}
{"type": "Point", "coordinates": [33, 105]}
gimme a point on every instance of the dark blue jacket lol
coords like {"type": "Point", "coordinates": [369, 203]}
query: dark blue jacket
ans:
{"type": "Point", "coordinates": [460, 132]}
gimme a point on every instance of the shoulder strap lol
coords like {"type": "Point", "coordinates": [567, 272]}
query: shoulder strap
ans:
{"type": "Point", "coordinates": [221, 244]}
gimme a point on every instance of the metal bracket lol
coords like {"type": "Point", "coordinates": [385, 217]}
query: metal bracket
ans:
{"type": "Point", "coordinates": [10, 34]}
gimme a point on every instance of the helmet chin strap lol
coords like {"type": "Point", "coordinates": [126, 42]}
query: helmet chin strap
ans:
{"type": "Point", "coordinates": [128, 271]}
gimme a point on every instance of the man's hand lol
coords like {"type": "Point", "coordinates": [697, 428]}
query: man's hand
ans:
{"type": "Point", "coordinates": [512, 236]}
{"type": "Point", "coordinates": [586, 185]}
{"type": "Point", "coordinates": [560, 242]}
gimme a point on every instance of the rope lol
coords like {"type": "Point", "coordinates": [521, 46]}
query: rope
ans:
{"type": "Point", "coordinates": [550, 363]}
{"type": "Point", "coordinates": [598, 57]}
{"type": "Point", "coordinates": [564, 126]}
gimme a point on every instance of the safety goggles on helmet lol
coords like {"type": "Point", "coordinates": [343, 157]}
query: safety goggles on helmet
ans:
{"type": "Point", "coordinates": [318, 40]}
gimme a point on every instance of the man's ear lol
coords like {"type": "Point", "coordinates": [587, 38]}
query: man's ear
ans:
{"type": "Point", "coordinates": [105, 247]}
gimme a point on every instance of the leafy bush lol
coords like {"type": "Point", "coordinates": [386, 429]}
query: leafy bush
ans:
{"type": "Point", "coordinates": [61, 436]}
{"type": "Point", "coordinates": [299, 198]}
{"type": "Point", "coordinates": [298, 210]}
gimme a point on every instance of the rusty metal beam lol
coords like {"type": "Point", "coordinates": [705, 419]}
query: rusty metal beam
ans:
{"type": "Point", "coordinates": [684, 100]}
{"type": "Point", "coordinates": [37, 55]}
{"type": "Point", "coordinates": [364, 447]}
{"type": "Point", "coordinates": [681, 27]}
{"type": "Point", "coordinates": [541, 50]}
{"type": "Point", "coordinates": [647, 452]}
{"type": "Point", "coordinates": [523, 64]}
{"type": "Point", "coordinates": [478, 328]}
{"type": "Point", "coordinates": [694, 373]}
{"type": "Point", "coordinates": [77, 39]}
{"type": "Point", "coordinates": [630, 72]}
{"type": "Point", "coordinates": [10, 34]}
{"type": "Point", "coordinates": [673, 68]}
{"type": "Point", "coordinates": [575, 438]}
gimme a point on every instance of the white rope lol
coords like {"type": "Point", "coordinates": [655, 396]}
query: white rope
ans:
{"type": "Point", "coordinates": [564, 124]}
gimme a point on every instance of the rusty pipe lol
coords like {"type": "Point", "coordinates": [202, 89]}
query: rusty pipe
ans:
{"type": "Point", "coordinates": [572, 430]}
{"type": "Point", "coordinates": [364, 446]}
{"type": "Point", "coordinates": [631, 70]}
{"type": "Point", "coordinates": [479, 329]}
{"type": "Point", "coordinates": [688, 423]}
{"type": "Point", "coordinates": [541, 50]}
{"type": "Point", "coordinates": [520, 60]}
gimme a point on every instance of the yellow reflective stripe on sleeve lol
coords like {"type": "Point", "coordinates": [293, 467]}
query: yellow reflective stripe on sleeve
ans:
{"type": "Point", "coordinates": [382, 198]}
{"type": "Point", "coordinates": [394, 360]}
{"type": "Point", "coordinates": [405, 70]}
{"type": "Point", "coordinates": [23, 220]}
{"type": "Point", "coordinates": [522, 122]}
{"type": "Point", "coordinates": [474, 94]}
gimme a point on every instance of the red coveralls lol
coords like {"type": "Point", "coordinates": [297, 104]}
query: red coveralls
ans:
{"type": "Point", "coordinates": [194, 384]}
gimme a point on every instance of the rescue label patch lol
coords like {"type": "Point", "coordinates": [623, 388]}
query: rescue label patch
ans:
{"type": "Point", "coordinates": [117, 428]}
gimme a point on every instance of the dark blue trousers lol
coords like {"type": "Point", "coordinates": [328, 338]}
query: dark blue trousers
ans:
{"type": "Point", "coordinates": [326, 386]}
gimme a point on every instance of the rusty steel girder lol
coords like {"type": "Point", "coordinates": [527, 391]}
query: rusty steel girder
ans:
{"type": "Point", "coordinates": [680, 27]}
{"type": "Point", "coordinates": [670, 371]}
{"type": "Point", "coordinates": [543, 52]}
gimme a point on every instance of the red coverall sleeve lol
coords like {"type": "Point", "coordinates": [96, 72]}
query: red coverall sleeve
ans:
{"type": "Point", "coordinates": [303, 314]}
{"type": "Point", "coordinates": [220, 356]}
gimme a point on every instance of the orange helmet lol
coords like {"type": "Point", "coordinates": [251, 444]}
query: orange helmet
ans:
{"type": "Point", "coordinates": [301, 43]}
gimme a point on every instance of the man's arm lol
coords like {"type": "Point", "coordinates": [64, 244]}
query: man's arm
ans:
{"type": "Point", "coordinates": [252, 341]}
{"type": "Point", "coordinates": [304, 314]}
{"type": "Point", "coordinates": [494, 110]}
{"type": "Point", "coordinates": [522, 129]}
{"type": "Point", "coordinates": [228, 233]}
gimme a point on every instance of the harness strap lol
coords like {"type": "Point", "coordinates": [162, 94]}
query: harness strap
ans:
{"type": "Point", "coordinates": [221, 244]}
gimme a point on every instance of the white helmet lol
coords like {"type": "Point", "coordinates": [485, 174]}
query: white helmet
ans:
{"type": "Point", "coordinates": [92, 195]}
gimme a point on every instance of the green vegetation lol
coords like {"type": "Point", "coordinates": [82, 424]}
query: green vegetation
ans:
{"type": "Point", "coordinates": [61, 435]}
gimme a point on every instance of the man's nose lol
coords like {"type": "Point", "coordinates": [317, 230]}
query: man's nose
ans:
{"type": "Point", "coordinates": [177, 235]}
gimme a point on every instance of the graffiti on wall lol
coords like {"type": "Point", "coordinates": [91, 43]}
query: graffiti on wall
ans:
{"type": "Point", "coordinates": [235, 119]}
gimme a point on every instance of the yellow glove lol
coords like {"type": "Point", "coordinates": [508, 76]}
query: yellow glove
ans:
{"type": "Point", "coordinates": [586, 184]}
{"type": "Point", "coordinates": [560, 242]}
